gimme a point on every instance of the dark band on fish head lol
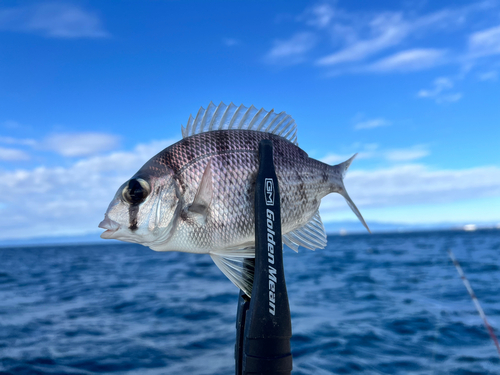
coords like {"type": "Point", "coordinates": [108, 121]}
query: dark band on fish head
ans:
{"type": "Point", "coordinates": [134, 193]}
{"type": "Point", "coordinates": [133, 212]}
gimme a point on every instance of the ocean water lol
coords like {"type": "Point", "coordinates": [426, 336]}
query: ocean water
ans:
{"type": "Point", "coordinates": [367, 304]}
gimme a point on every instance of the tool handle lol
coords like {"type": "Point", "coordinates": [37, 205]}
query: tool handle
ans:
{"type": "Point", "coordinates": [265, 345]}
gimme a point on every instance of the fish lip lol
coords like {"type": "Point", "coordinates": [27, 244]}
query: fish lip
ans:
{"type": "Point", "coordinates": [111, 226]}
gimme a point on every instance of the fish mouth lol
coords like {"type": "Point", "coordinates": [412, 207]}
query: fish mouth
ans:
{"type": "Point", "coordinates": [111, 226]}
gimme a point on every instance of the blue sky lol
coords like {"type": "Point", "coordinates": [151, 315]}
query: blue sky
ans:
{"type": "Point", "coordinates": [90, 90]}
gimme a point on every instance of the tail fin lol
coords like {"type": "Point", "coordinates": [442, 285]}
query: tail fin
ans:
{"type": "Point", "coordinates": [343, 167]}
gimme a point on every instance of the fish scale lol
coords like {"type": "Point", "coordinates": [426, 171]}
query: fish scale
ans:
{"type": "Point", "coordinates": [202, 190]}
{"type": "Point", "coordinates": [299, 177]}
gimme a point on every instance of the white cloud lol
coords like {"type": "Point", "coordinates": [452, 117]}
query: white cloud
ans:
{"type": "Point", "coordinates": [373, 151]}
{"type": "Point", "coordinates": [440, 92]}
{"type": "Point", "coordinates": [9, 124]}
{"type": "Point", "coordinates": [409, 60]}
{"type": "Point", "coordinates": [55, 20]}
{"type": "Point", "coordinates": [416, 184]}
{"type": "Point", "coordinates": [407, 154]}
{"type": "Point", "coordinates": [385, 41]}
{"type": "Point", "coordinates": [485, 42]}
{"type": "Point", "coordinates": [72, 200]}
{"type": "Point", "coordinates": [369, 35]}
{"type": "Point", "coordinates": [320, 15]}
{"type": "Point", "coordinates": [18, 141]}
{"type": "Point", "coordinates": [293, 50]}
{"type": "Point", "coordinates": [11, 154]}
{"type": "Point", "coordinates": [389, 30]}
{"type": "Point", "coordinates": [80, 144]}
{"type": "Point", "coordinates": [492, 75]}
{"type": "Point", "coordinates": [440, 84]}
{"type": "Point", "coordinates": [362, 151]}
{"type": "Point", "coordinates": [370, 124]}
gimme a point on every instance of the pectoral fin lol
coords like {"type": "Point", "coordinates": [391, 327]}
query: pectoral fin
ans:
{"type": "Point", "coordinates": [198, 209]}
{"type": "Point", "coordinates": [238, 266]}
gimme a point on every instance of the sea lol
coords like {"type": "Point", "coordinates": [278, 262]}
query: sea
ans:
{"type": "Point", "coordinates": [366, 304]}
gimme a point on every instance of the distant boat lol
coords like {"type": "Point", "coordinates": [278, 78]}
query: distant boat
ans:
{"type": "Point", "coordinates": [470, 227]}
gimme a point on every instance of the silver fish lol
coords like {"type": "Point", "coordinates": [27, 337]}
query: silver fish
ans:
{"type": "Point", "coordinates": [197, 195]}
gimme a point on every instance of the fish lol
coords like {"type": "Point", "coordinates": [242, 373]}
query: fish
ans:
{"type": "Point", "coordinates": [197, 195]}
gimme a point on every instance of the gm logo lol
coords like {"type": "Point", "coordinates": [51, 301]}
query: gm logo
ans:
{"type": "Point", "coordinates": [269, 191]}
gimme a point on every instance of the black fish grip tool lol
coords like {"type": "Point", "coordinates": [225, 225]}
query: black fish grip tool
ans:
{"type": "Point", "coordinates": [263, 323]}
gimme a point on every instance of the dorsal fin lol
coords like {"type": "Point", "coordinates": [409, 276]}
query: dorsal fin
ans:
{"type": "Point", "coordinates": [223, 117]}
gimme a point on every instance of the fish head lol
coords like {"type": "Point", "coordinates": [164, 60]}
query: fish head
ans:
{"type": "Point", "coordinates": [144, 210]}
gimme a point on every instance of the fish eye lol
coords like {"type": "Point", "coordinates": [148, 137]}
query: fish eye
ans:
{"type": "Point", "coordinates": [136, 191]}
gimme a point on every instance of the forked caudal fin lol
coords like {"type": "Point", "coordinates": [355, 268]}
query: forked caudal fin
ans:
{"type": "Point", "coordinates": [343, 167]}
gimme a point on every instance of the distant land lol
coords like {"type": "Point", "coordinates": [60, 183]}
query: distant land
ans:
{"type": "Point", "coordinates": [355, 227]}
{"type": "Point", "coordinates": [331, 228]}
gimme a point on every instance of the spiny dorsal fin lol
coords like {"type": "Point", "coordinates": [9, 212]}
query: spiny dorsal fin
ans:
{"type": "Point", "coordinates": [223, 117]}
{"type": "Point", "coordinates": [311, 235]}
